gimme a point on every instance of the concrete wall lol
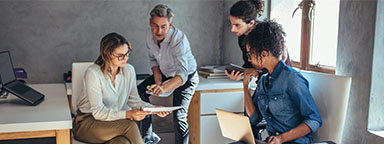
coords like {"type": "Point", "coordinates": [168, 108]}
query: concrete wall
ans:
{"type": "Point", "coordinates": [45, 37]}
{"type": "Point", "coordinates": [376, 113]}
{"type": "Point", "coordinates": [355, 58]}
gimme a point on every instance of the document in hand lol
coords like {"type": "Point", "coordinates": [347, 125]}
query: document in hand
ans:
{"type": "Point", "coordinates": [161, 109]}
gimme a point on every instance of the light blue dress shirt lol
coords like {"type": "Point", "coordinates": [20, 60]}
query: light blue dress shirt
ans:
{"type": "Point", "coordinates": [174, 56]}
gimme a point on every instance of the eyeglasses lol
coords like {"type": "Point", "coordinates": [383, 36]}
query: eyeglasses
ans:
{"type": "Point", "coordinates": [121, 57]}
{"type": "Point", "coordinates": [249, 54]}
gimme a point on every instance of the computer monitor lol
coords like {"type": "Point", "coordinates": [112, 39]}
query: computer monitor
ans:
{"type": "Point", "coordinates": [6, 68]}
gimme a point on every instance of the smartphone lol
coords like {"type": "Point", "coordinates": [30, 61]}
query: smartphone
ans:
{"type": "Point", "coordinates": [233, 67]}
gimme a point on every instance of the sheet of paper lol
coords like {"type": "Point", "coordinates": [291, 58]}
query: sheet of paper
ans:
{"type": "Point", "coordinates": [161, 109]}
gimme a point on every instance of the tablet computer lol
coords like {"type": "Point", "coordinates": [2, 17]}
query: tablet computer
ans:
{"type": "Point", "coordinates": [233, 67]}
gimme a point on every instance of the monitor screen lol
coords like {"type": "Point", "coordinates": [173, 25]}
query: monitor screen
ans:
{"type": "Point", "coordinates": [6, 69]}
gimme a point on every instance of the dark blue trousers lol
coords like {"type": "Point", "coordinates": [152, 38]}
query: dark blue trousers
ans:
{"type": "Point", "coordinates": [181, 97]}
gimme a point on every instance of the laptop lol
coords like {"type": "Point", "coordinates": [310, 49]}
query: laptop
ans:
{"type": "Point", "coordinates": [236, 127]}
{"type": "Point", "coordinates": [18, 88]}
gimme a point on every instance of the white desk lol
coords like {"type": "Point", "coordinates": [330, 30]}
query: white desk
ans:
{"type": "Point", "coordinates": [51, 118]}
{"type": "Point", "coordinates": [211, 94]}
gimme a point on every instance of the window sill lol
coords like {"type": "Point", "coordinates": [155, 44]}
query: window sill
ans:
{"type": "Point", "coordinates": [379, 133]}
{"type": "Point", "coordinates": [315, 68]}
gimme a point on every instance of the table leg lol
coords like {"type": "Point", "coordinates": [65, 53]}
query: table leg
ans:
{"type": "Point", "coordinates": [63, 136]}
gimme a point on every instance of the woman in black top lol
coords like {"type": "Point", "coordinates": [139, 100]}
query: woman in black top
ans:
{"type": "Point", "coordinates": [243, 16]}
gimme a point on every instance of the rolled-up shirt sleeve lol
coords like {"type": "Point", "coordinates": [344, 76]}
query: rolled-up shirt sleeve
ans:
{"type": "Point", "coordinates": [99, 110]}
{"type": "Point", "coordinates": [313, 124]}
{"type": "Point", "coordinates": [180, 50]}
{"type": "Point", "coordinates": [302, 97]}
{"type": "Point", "coordinates": [255, 118]}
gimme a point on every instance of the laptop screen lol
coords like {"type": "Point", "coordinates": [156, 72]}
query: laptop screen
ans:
{"type": "Point", "coordinates": [6, 69]}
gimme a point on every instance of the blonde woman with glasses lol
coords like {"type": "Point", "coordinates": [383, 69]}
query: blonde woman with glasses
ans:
{"type": "Point", "coordinates": [109, 104]}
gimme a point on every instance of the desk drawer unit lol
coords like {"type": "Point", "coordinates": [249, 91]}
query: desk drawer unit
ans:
{"type": "Point", "coordinates": [210, 131]}
{"type": "Point", "coordinates": [203, 124]}
{"type": "Point", "coordinates": [228, 101]}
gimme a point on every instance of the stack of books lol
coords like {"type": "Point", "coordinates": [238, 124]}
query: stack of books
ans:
{"type": "Point", "coordinates": [213, 72]}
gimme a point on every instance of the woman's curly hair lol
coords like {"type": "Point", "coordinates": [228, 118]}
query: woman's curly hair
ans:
{"type": "Point", "coordinates": [247, 10]}
{"type": "Point", "coordinates": [267, 36]}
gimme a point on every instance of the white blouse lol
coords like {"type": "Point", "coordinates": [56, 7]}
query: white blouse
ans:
{"type": "Point", "coordinates": [103, 100]}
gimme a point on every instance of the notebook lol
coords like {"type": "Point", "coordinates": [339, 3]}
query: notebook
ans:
{"type": "Point", "coordinates": [236, 127]}
{"type": "Point", "coordinates": [10, 84]}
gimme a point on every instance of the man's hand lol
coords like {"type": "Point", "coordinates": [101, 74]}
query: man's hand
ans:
{"type": "Point", "coordinates": [236, 76]}
{"type": "Point", "coordinates": [275, 140]}
{"type": "Point", "coordinates": [136, 114]}
{"type": "Point", "coordinates": [156, 89]}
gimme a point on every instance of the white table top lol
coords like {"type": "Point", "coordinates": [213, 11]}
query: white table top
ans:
{"type": "Point", "coordinates": [204, 84]}
{"type": "Point", "coordinates": [218, 84]}
{"type": "Point", "coordinates": [51, 114]}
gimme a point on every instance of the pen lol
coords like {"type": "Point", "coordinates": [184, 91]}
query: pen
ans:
{"type": "Point", "coordinates": [148, 86]}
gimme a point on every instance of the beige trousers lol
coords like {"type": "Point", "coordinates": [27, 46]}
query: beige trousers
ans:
{"type": "Point", "coordinates": [87, 129]}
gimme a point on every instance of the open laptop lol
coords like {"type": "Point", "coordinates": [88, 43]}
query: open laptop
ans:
{"type": "Point", "coordinates": [236, 127]}
{"type": "Point", "coordinates": [10, 84]}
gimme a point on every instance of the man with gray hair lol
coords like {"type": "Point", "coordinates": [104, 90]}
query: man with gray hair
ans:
{"type": "Point", "coordinates": [174, 71]}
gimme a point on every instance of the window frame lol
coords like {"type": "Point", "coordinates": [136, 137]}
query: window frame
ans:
{"type": "Point", "coordinates": [306, 41]}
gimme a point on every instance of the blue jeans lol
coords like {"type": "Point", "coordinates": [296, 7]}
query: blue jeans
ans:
{"type": "Point", "coordinates": [181, 97]}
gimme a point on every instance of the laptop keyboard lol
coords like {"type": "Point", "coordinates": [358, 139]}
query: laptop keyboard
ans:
{"type": "Point", "coordinates": [20, 88]}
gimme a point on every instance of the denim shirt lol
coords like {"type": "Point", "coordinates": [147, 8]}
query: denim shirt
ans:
{"type": "Point", "coordinates": [284, 101]}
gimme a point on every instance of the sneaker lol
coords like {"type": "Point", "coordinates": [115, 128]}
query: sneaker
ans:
{"type": "Point", "coordinates": [152, 139]}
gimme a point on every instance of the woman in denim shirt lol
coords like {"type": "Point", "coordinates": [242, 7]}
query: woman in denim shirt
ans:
{"type": "Point", "coordinates": [282, 96]}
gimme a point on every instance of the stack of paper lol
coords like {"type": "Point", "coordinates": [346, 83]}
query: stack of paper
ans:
{"type": "Point", "coordinates": [213, 71]}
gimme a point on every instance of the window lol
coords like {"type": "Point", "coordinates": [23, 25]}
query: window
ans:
{"type": "Point", "coordinates": [312, 29]}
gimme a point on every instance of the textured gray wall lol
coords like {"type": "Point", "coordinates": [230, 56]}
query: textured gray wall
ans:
{"type": "Point", "coordinates": [355, 58]}
{"type": "Point", "coordinates": [376, 113]}
{"type": "Point", "coordinates": [45, 37]}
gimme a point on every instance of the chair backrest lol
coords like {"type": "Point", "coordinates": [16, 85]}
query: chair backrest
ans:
{"type": "Point", "coordinates": [78, 71]}
{"type": "Point", "coordinates": [331, 95]}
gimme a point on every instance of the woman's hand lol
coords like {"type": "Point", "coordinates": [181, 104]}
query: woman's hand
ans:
{"type": "Point", "coordinates": [136, 114]}
{"type": "Point", "coordinates": [236, 76]}
{"type": "Point", "coordinates": [275, 140]}
{"type": "Point", "coordinates": [248, 73]}
{"type": "Point", "coordinates": [162, 114]}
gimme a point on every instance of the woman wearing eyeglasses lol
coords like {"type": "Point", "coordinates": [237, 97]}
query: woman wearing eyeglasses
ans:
{"type": "Point", "coordinates": [109, 105]}
{"type": "Point", "coordinates": [282, 96]}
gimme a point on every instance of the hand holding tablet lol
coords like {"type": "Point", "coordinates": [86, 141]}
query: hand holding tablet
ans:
{"type": "Point", "coordinates": [161, 109]}
{"type": "Point", "coordinates": [233, 67]}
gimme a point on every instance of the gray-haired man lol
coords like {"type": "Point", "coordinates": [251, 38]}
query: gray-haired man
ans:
{"type": "Point", "coordinates": [172, 61]}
